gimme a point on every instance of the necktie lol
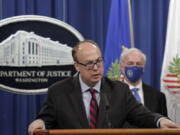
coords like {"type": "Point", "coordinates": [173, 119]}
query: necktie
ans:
{"type": "Point", "coordinates": [93, 109]}
{"type": "Point", "coordinates": [136, 94]}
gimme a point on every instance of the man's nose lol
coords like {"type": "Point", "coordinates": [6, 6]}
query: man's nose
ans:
{"type": "Point", "coordinates": [95, 66]}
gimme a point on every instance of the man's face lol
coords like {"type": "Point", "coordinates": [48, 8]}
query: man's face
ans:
{"type": "Point", "coordinates": [132, 66]}
{"type": "Point", "coordinates": [90, 63]}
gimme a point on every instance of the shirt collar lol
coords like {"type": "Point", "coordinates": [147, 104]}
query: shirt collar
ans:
{"type": "Point", "coordinates": [85, 87]}
{"type": "Point", "coordinates": [139, 86]}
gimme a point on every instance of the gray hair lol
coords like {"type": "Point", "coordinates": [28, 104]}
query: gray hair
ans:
{"type": "Point", "coordinates": [130, 50]}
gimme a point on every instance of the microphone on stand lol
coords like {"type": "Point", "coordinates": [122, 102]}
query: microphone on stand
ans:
{"type": "Point", "coordinates": [107, 109]}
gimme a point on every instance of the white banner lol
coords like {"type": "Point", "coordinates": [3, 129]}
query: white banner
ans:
{"type": "Point", "coordinates": [170, 77]}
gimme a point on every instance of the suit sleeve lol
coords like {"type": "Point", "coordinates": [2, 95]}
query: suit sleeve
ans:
{"type": "Point", "coordinates": [48, 111]}
{"type": "Point", "coordinates": [138, 114]}
{"type": "Point", "coordinates": [163, 105]}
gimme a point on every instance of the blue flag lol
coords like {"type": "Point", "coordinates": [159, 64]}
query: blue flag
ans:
{"type": "Point", "coordinates": [118, 35]}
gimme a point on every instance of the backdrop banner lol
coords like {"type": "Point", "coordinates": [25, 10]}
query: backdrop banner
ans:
{"type": "Point", "coordinates": [170, 77]}
{"type": "Point", "coordinates": [35, 52]}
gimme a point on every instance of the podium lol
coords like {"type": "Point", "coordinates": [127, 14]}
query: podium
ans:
{"type": "Point", "coordinates": [108, 132]}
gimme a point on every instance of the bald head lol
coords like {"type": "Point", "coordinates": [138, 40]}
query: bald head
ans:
{"type": "Point", "coordinates": [83, 46]}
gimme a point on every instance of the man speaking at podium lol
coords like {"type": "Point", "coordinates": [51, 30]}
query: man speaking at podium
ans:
{"type": "Point", "coordinates": [88, 100]}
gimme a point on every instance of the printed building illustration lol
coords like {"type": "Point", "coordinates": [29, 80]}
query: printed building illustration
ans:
{"type": "Point", "coordinates": [28, 49]}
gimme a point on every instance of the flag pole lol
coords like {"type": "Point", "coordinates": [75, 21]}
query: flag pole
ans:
{"type": "Point", "coordinates": [64, 10]}
{"type": "Point", "coordinates": [131, 24]}
{"type": "Point", "coordinates": [1, 9]}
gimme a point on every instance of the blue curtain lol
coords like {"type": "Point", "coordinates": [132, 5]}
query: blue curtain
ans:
{"type": "Point", "coordinates": [150, 19]}
{"type": "Point", "coordinates": [90, 18]}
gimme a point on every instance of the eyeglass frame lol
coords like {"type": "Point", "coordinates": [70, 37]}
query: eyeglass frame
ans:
{"type": "Point", "coordinates": [98, 63]}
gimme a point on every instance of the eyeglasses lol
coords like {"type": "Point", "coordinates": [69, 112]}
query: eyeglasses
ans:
{"type": "Point", "coordinates": [90, 65]}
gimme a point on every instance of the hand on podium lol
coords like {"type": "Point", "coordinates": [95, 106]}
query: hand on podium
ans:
{"type": "Point", "coordinates": [37, 124]}
{"type": "Point", "coordinates": [166, 123]}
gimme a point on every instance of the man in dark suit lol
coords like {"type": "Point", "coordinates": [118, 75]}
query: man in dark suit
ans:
{"type": "Point", "coordinates": [69, 103]}
{"type": "Point", "coordinates": [132, 62]}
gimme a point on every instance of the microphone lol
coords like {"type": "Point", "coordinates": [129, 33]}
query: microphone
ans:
{"type": "Point", "coordinates": [107, 109]}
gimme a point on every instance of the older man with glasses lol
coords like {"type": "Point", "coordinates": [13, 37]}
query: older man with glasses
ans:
{"type": "Point", "coordinates": [80, 102]}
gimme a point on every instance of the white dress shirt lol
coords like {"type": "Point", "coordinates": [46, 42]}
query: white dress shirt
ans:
{"type": "Point", "coordinates": [86, 95]}
{"type": "Point", "coordinates": [140, 90]}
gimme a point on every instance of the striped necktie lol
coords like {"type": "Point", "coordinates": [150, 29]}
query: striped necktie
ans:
{"type": "Point", "coordinates": [136, 94]}
{"type": "Point", "coordinates": [93, 117]}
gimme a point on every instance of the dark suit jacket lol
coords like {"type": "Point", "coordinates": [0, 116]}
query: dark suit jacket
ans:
{"type": "Point", "coordinates": [64, 107]}
{"type": "Point", "coordinates": [154, 100]}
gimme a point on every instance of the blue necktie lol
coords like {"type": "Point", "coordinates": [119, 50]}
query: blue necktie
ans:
{"type": "Point", "coordinates": [136, 94]}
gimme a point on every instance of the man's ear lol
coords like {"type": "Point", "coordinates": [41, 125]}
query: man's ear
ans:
{"type": "Point", "coordinates": [121, 66]}
{"type": "Point", "coordinates": [76, 67]}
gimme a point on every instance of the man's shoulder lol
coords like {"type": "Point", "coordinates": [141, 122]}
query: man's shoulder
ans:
{"type": "Point", "coordinates": [147, 87]}
{"type": "Point", "coordinates": [114, 83]}
{"type": "Point", "coordinates": [62, 82]}
{"type": "Point", "coordinates": [67, 83]}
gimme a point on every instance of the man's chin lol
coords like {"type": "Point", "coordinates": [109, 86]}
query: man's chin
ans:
{"type": "Point", "coordinates": [96, 80]}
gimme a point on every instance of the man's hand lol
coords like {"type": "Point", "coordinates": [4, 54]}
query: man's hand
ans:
{"type": "Point", "coordinates": [166, 123]}
{"type": "Point", "coordinates": [37, 124]}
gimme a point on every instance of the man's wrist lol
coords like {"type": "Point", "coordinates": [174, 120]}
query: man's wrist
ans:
{"type": "Point", "coordinates": [158, 121]}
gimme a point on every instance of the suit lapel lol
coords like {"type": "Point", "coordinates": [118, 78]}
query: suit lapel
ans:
{"type": "Point", "coordinates": [147, 96]}
{"type": "Point", "coordinates": [78, 105]}
{"type": "Point", "coordinates": [79, 108]}
{"type": "Point", "coordinates": [102, 119]}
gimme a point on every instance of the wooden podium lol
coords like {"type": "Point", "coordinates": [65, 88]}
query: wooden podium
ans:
{"type": "Point", "coordinates": [108, 132]}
